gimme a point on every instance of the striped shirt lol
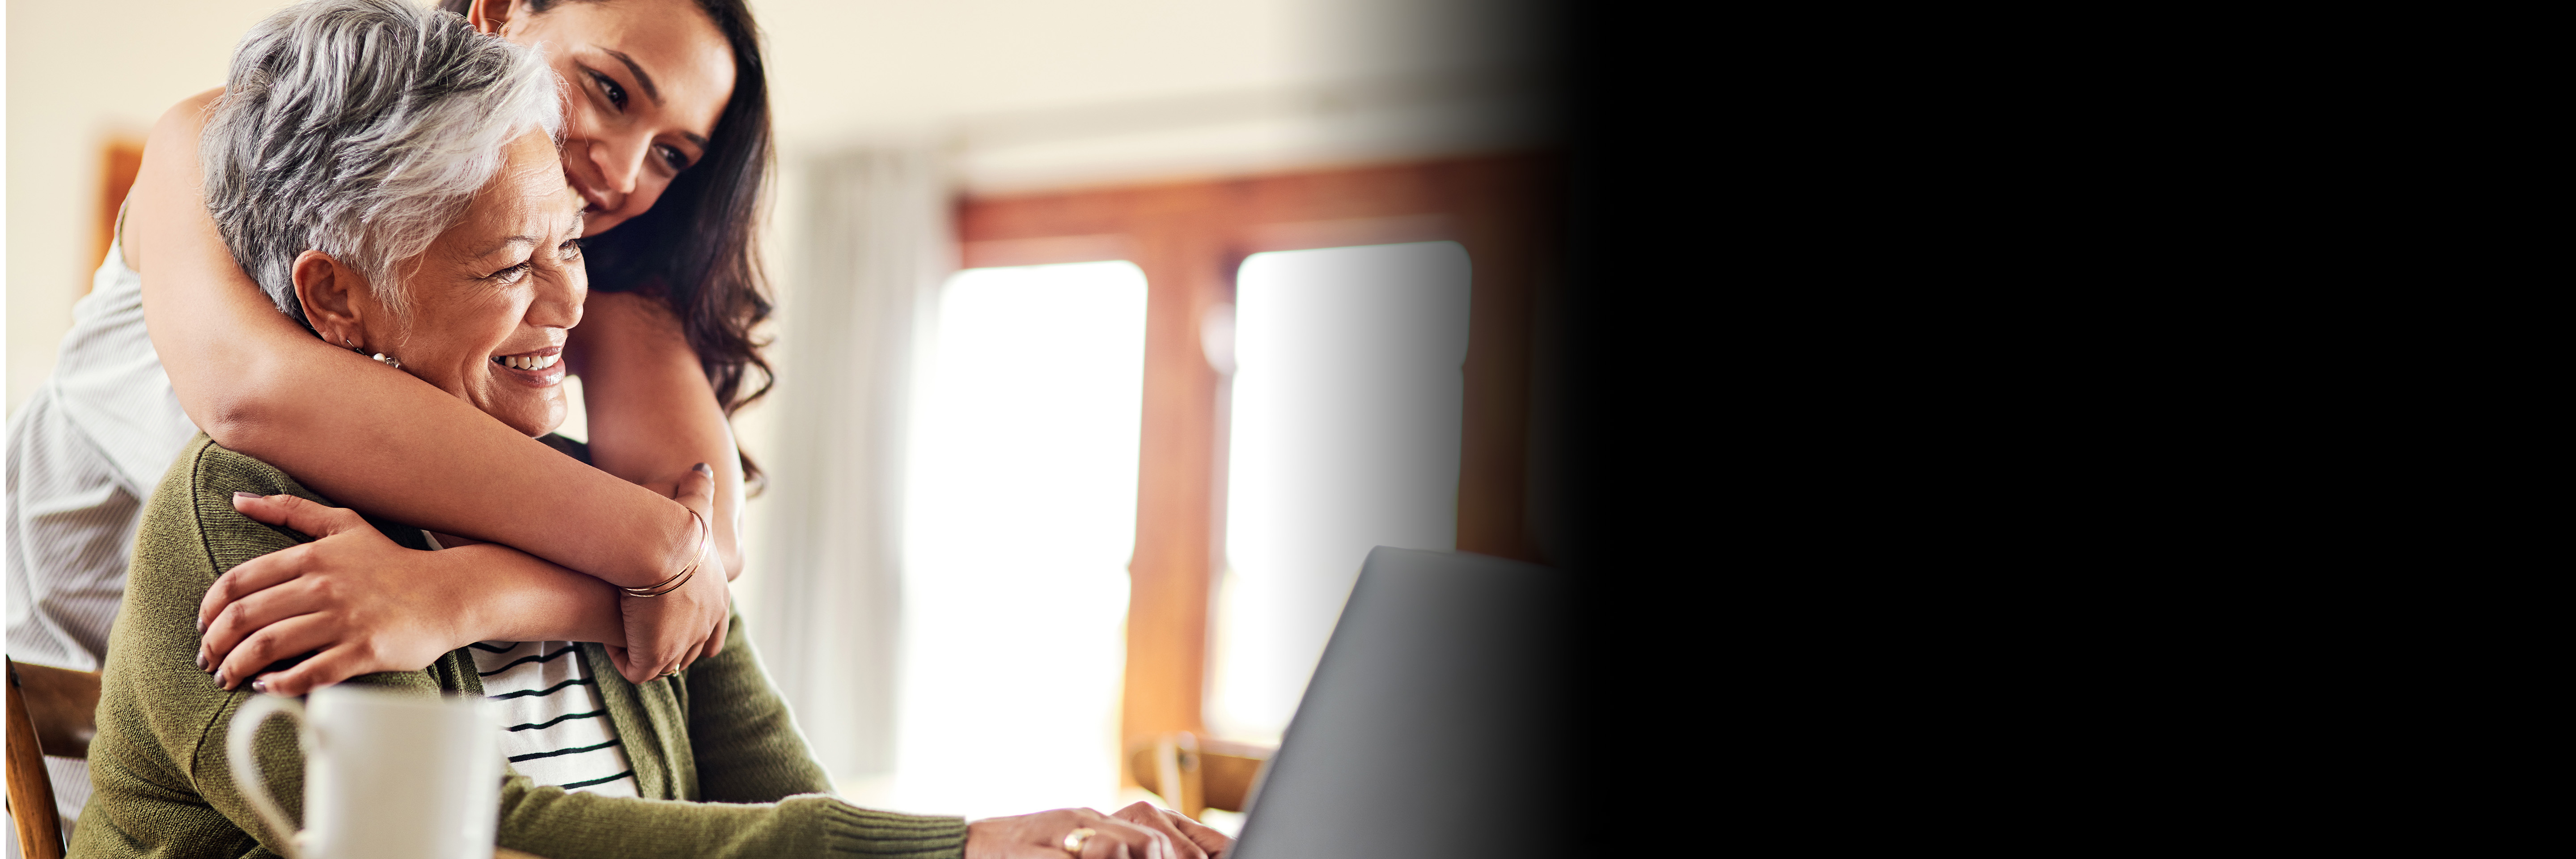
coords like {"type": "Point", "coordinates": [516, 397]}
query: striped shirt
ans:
{"type": "Point", "coordinates": [554, 728]}
{"type": "Point", "coordinates": [84, 453]}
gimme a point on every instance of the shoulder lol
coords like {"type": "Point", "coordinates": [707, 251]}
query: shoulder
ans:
{"type": "Point", "coordinates": [190, 523]}
{"type": "Point", "coordinates": [207, 474]}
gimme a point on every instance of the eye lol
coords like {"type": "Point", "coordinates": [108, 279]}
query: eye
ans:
{"type": "Point", "coordinates": [616, 94]}
{"type": "Point", "coordinates": [511, 275]}
{"type": "Point", "coordinates": [570, 250]}
{"type": "Point", "coordinates": [671, 155]}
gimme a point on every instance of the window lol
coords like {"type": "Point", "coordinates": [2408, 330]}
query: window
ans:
{"type": "Point", "coordinates": [1021, 518]}
{"type": "Point", "coordinates": [1345, 432]}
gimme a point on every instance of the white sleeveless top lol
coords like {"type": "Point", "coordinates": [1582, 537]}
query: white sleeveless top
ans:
{"type": "Point", "coordinates": [84, 454]}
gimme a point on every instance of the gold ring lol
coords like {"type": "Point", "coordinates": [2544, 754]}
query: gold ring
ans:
{"type": "Point", "coordinates": [1074, 840]}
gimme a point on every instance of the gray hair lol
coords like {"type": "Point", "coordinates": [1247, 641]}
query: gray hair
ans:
{"type": "Point", "coordinates": [362, 129]}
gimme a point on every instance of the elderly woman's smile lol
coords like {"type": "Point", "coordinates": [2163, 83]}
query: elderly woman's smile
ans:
{"type": "Point", "coordinates": [482, 313]}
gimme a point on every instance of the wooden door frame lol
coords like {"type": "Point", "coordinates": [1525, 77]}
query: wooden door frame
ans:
{"type": "Point", "coordinates": [1189, 238]}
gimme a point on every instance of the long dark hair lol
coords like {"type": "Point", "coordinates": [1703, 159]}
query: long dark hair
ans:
{"type": "Point", "coordinates": [694, 248]}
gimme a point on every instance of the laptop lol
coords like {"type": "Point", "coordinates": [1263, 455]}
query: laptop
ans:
{"type": "Point", "coordinates": [1435, 723]}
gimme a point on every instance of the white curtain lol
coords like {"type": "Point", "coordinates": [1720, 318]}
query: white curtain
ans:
{"type": "Point", "coordinates": [875, 242]}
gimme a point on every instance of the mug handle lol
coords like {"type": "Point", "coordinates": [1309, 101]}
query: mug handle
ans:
{"type": "Point", "coordinates": [246, 722]}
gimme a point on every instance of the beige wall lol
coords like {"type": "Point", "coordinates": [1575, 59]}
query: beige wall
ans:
{"type": "Point", "coordinates": [1023, 93]}
{"type": "Point", "coordinates": [80, 73]}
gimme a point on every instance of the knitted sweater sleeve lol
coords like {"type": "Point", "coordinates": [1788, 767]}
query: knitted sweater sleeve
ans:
{"type": "Point", "coordinates": [745, 743]}
{"type": "Point", "coordinates": [761, 792]}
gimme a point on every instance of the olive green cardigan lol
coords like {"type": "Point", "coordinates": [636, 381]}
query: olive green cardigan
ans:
{"type": "Point", "coordinates": [719, 763]}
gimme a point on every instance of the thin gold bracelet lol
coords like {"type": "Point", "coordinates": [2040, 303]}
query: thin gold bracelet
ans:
{"type": "Point", "coordinates": [706, 536]}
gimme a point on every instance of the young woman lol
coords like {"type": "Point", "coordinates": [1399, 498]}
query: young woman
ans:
{"type": "Point", "coordinates": [667, 143]}
{"type": "Point", "coordinates": [390, 178]}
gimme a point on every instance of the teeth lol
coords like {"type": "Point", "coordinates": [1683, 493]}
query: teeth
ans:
{"type": "Point", "coordinates": [528, 362]}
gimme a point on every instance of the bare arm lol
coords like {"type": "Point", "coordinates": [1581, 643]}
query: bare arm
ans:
{"type": "Point", "coordinates": [652, 413]}
{"type": "Point", "coordinates": [362, 604]}
{"type": "Point", "coordinates": [382, 441]}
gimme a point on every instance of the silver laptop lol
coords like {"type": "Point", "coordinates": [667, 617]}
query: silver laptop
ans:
{"type": "Point", "coordinates": [1435, 724]}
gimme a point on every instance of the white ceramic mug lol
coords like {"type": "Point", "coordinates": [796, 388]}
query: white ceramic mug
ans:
{"type": "Point", "coordinates": [386, 776]}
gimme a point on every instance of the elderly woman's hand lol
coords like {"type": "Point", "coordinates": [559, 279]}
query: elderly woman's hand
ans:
{"type": "Point", "coordinates": [1139, 831]}
{"type": "Point", "coordinates": [665, 633]}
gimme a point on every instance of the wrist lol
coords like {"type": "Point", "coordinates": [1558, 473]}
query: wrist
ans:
{"type": "Point", "coordinates": [682, 543]}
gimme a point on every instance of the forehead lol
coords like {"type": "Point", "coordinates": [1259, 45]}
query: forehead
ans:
{"type": "Point", "coordinates": [529, 195]}
{"type": "Point", "coordinates": [675, 42]}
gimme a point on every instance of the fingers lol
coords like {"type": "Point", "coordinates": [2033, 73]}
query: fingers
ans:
{"type": "Point", "coordinates": [648, 656]}
{"type": "Point", "coordinates": [254, 575]}
{"type": "Point", "coordinates": [250, 614]}
{"type": "Point", "coordinates": [290, 637]}
{"type": "Point", "coordinates": [1114, 838]}
{"type": "Point", "coordinates": [627, 667]}
{"type": "Point", "coordinates": [1167, 824]}
{"type": "Point", "coordinates": [288, 511]}
{"type": "Point", "coordinates": [717, 596]}
{"type": "Point", "coordinates": [1201, 835]}
{"type": "Point", "coordinates": [328, 667]}
{"type": "Point", "coordinates": [697, 490]}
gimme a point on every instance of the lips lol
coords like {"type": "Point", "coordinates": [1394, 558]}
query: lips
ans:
{"type": "Point", "coordinates": [596, 200]}
{"type": "Point", "coordinates": [541, 368]}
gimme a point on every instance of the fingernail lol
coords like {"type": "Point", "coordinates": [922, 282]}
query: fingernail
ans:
{"type": "Point", "coordinates": [260, 685]}
{"type": "Point", "coordinates": [248, 495]}
{"type": "Point", "coordinates": [702, 468]}
{"type": "Point", "coordinates": [219, 681]}
{"type": "Point", "coordinates": [201, 626]}
{"type": "Point", "coordinates": [201, 660]}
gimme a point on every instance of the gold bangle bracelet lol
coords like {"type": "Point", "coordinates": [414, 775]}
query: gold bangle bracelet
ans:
{"type": "Point", "coordinates": [706, 537]}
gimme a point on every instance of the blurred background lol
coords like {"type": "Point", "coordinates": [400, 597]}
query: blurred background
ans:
{"type": "Point", "coordinates": [1111, 335]}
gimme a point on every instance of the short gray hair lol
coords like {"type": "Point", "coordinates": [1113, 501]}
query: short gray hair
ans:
{"type": "Point", "coordinates": [362, 129]}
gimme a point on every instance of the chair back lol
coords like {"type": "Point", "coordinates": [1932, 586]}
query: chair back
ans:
{"type": "Point", "coordinates": [51, 711]}
{"type": "Point", "coordinates": [1201, 774]}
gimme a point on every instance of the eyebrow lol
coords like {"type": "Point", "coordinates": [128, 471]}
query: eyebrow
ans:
{"type": "Point", "coordinates": [497, 247]}
{"type": "Point", "coordinates": [645, 81]}
{"type": "Point", "coordinates": [641, 79]}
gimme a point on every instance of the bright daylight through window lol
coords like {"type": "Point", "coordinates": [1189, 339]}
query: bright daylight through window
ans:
{"type": "Point", "coordinates": [1348, 398]}
{"type": "Point", "coordinates": [1022, 515]}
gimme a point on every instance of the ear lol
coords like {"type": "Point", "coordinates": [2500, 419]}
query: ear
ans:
{"type": "Point", "coordinates": [329, 293]}
{"type": "Point", "coordinates": [489, 16]}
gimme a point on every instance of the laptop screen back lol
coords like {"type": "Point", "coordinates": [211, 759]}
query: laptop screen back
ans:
{"type": "Point", "coordinates": [1434, 723]}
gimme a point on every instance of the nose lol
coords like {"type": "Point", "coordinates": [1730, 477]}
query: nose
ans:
{"type": "Point", "coordinates": [559, 298]}
{"type": "Point", "coordinates": [621, 163]}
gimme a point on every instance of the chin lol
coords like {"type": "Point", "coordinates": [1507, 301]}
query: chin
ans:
{"type": "Point", "coordinates": [595, 223]}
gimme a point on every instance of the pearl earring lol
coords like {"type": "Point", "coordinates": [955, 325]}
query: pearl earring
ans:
{"type": "Point", "coordinates": [380, 356]}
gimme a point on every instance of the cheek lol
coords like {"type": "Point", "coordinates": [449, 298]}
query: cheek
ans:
{"type": "Point", "coordinates": [600, 222]}
{"type": "Point", "coordinates": [648, 191]}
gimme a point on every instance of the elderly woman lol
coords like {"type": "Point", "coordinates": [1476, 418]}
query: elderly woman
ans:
{"type": "Point", "coordinates": [390, 178]}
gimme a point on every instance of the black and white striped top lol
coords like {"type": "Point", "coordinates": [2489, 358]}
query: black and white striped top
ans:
{"type": "Point", "coordinates": [554, 728]}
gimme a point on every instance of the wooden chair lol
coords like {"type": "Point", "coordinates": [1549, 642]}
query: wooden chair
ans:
{"type": "Point", "coordinates": [52, 711]}
{"type": "Point", "coordinates": [1204, 774]}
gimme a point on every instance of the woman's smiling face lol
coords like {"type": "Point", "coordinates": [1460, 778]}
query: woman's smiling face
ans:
{"type": "Point", "coordinates": [490, 301]}
{"type": "Point", "coordinates": [645, 81]}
